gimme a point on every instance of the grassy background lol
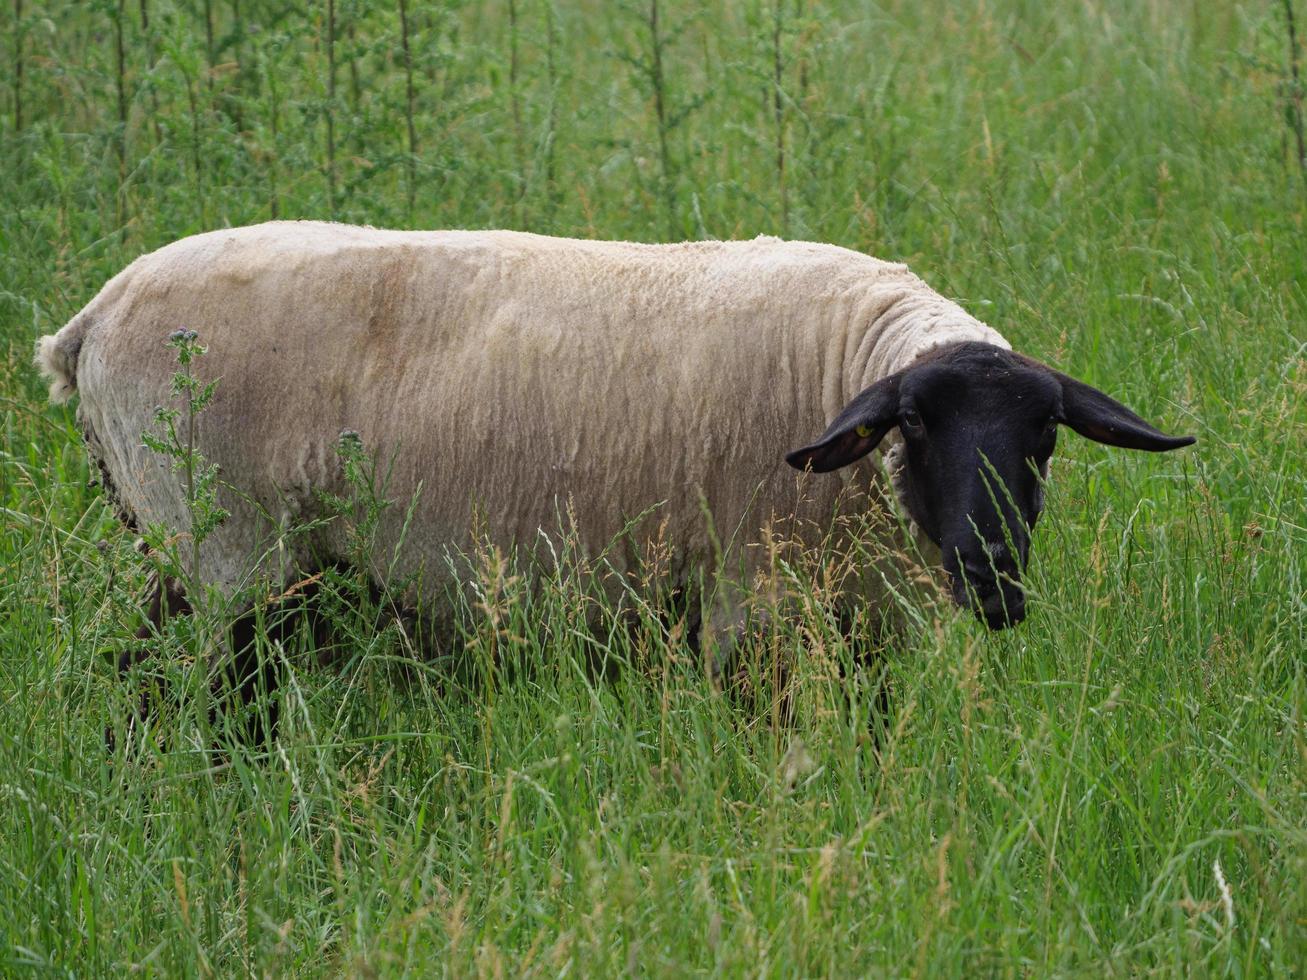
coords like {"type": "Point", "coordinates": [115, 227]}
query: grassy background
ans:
{"type": "Point", "coordinates": [1114, 185]}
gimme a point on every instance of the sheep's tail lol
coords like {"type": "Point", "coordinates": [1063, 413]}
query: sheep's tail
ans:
{"type": "Point", "coordinates": [56, 357]}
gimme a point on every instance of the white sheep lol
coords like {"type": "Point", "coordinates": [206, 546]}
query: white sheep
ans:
{"type": "Point", "coordinates": [522, 377]}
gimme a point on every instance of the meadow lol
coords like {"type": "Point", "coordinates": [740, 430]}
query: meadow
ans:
{"type": "Point", "coordinates": [1117, 787]}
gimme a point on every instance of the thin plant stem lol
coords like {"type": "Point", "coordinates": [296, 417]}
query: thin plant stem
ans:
{"type": "Point", "coordinates": [149, 70]}
{"type": "Point", "coordinates": [234, 101]}
{"type": "Point", "coordinates": [120, 80]}
{"type": "Point", "coordinates": [658, 84]}
{"type": "Point", "coordinates": [515, 96]}
{"type": "Point", "coordinates": [803, 62]}
{"type": "Point", "coordinates": [274, 109]}
{"type": "Point", "coordinates": [411, 162]}
{"type": "Point", "coordinates": [355, 88]}
{"type": "Point", "coordinates": [120, 62]}
{"type": "Point", "coordinates": [778, 107]}
{"type": "Point", "coordinates": [330, 112]}
{"type": "Point", "coordinates": [190, 474]}
{"type": "Point", "coordinates": [196, 164]}
{"type": "Point", "coordinates": [18, 66]}
{"type": "Point", "coordinates": [209, 51]}
{"type": "Point", "coordinates": [1293, 103]}
{"type": "Point", "coordinates": [551, 76]}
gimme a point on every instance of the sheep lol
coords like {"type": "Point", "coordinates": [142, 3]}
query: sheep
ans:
{"type": "Point", "coordinates": [524, 377]}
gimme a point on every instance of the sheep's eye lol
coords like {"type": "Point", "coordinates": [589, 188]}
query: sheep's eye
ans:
{"type": "Point", "coordinates": [912, 419]}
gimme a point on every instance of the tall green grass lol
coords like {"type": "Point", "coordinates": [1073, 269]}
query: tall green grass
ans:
{"type": "Point", "coordinates": [1119, 786]}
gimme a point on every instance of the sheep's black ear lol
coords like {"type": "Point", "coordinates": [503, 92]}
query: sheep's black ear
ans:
{"type": "Point", "coordinates": [1096, 416]}
{"type": "Point", "coordinates": [856, 431]}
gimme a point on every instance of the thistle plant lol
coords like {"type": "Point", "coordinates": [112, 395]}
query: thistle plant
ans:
{"type": "Point", "coordinates": [177, 442]}
{"type": "Point", "coordinates": [361, 507]}
{"type": "Point", "coordinates": [364, 507]}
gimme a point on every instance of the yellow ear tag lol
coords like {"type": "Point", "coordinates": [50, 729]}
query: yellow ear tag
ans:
{"type": "Point", "coordinates": [863, 431]}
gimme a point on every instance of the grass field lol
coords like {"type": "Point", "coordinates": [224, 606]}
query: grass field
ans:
{"type": "Point", "coordinates": [1117, 787]}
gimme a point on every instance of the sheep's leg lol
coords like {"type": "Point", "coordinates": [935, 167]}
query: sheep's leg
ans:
{"type": "Point", "coordinates": [869, 670]}
{"type": "Point", "coordinates": [167, 598]}
{"type": "Point", "coordinates": [718, 640]}
{"type": "Point", "coordinates": [719, 637]}
{"type": "Point", "coordinates": [245, 672]}
{"type": "Point", "coordinates": [248, 677]}
{"type": "Point", "coordinates": [873, 678]}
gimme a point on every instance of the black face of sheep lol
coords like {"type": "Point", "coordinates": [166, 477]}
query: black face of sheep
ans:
{"type": "Point", "coordinates": [979, 424]}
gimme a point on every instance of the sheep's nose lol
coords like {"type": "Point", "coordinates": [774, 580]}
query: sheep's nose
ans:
{"type": "Point", "coordinates": [997, 600]}
{"type": "Point", "coordinates": [1002, 608]}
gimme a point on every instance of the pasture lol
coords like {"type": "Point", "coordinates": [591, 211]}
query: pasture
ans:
{"type": "Point", "coordinates": [1116, 787]}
